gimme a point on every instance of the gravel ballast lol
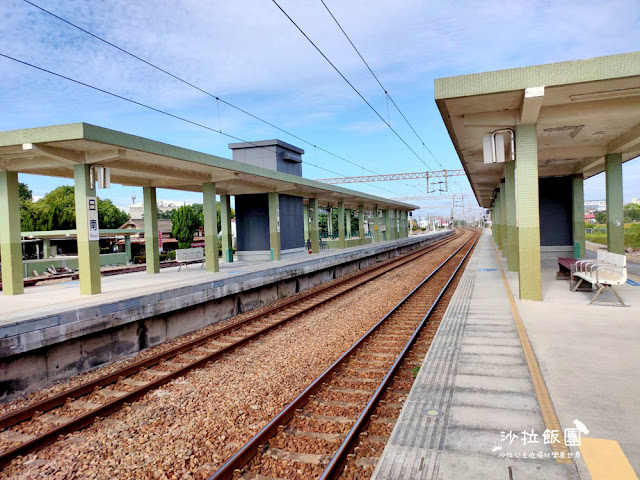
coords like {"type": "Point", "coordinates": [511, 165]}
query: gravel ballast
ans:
{"type": "Point", "coordinates": [191, 425]}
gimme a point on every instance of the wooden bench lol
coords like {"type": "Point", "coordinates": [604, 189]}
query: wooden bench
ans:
{"type": "Point", "coordinates": [189, 256]}
{"type": "Point", "coordinates": [566, 267]}
{"type": "Point", "coordinates": [605, 272]}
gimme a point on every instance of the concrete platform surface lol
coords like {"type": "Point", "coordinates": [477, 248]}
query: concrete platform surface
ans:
{"type": "Point", "coordinates": [589, 356]}
{"type": "Point", "coordinates": [48, 314]}
{"type": "Point", "coordinates": [474, 396]}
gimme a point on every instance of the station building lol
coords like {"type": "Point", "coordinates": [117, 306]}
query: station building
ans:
{"type": "Point", "coordinates": [529, 137]}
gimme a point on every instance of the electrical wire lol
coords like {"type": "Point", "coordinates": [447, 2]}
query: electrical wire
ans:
{"type": "Point", "coordinates": [164, 112]}
{"type": "Point", "coordinates": [351, 85]}
{"type": "Point", "coordinates": [217, 98]}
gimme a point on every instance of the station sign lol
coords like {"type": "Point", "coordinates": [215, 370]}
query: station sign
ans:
{"type": "Point", "coordinates": [92, 217]}
{"type": "Point", "coordinates": [278, 220]}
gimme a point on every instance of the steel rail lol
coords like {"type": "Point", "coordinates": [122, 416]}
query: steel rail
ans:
{"type": "Point", "coordinates": [242, 456]}
{"type": "Point", "coordinates": [107, 408]}
{"type": "Point", "coordinates": [337, 463]}
{"type": "Point", "coordinates": [27, 412]}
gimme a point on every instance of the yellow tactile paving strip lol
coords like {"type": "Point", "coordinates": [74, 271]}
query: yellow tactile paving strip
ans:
{"type": "Point", "coordinates": [606, 460]}
{"type": "Point", "coordinates": [544, 399]}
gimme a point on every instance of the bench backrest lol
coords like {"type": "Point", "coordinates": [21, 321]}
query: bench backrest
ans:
{"type": "Point", "coordinates": [601, 256]}
{"type": "Point", "coordinates": [619, 263]}
{"type": "Point", "coordinates": [187, 254]}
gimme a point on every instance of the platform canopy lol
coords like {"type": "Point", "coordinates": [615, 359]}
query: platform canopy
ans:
{"type": "Point", "coordinates": [583, 109]}
{"type": "Point", "coordinates": [141, 162]}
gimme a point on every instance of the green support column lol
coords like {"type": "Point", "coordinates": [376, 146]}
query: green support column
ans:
{"type": "Point", "coordinates": [615, 212]}
{"type": "Point", "coordinates": [127, 247]}
{"type": "Point", "coordinates": [347, 214]}
{"type": "Point", "coordinates": [210, 214]}
{"type": "Point", "coordinates": [225, 227]}
{"type": "Point", "coordinates": [512, 229]}
{"type": "Point", "coordinates": [497, 210]}
{"type": "Point", "coordinates": [305, 221]}
{"type": "Point", "coordinates": [528, 213]}
{"type": "Point", "coordinates": [341, 239]}
{"type": "Point", "coordinates": [376, 222]}
{"type": "Point", "coordinates": [88, 250]}
{"type": "Point", "coordinates": [274, 225]}
{"type": "Point", "coordinates": [503, 216]}
{"type": "Point", "coordinates": [46, 247]}
{"type": "Point", "coordinates": [578, 216]}
{"type": "Point", "coordinates": [387, 225]}
{"type": "Point", "coordinates": [361, 223]}
{"type": "Point", "coordinates": [330, 222]}
{"type": "Point", "coordinates": [151, 230]}
{"type": "Point", "coordinates": [10, 240]}
{"type": "Point", "coordinates": [314, 231]}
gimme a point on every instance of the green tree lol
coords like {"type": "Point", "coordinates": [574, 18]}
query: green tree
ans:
{"type": "Point", "coordinates": [632, 212]}
{"type": "Point", "coordinates": [184, 223]}
{"type": "Point", "coordinates": [25, 192]}
{"type": "Point", "coordinates": [110, 216]}
{"type": "Point", "coordinates": [601, 217]}
{"type": "Point", "coordinates": [57, 211]}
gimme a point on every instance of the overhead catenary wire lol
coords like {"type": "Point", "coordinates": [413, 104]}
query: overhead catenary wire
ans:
{"type": "Point", "coordinates": [350, 84]}
{"type": "Point", "coordinates": [217, 98]}
{"type": "Point", "coordinates": [386, 92]}
{"type": "Point", "coordinates": [158, 110]}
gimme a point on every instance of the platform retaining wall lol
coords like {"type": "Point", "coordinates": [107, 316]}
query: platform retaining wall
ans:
{"type": "Point", "coordinates": [44, 350]}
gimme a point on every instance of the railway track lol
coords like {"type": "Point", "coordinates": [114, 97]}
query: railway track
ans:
{"type": "Point", "coordinates": [318, 433]}
{"type": "Point", "coordinates": [37, 425]}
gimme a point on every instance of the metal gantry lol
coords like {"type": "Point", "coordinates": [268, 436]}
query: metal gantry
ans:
{"type": "Point", "coordinates": [445, 174]}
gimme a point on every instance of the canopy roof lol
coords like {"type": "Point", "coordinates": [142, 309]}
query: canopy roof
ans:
{"type": "Point", "coordinates": [585, 110]}
{"type": "Point", "coordinates": [142, 162]}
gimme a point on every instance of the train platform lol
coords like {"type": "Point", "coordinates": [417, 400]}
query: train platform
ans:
{"type": "Point", "coordinates": [52, 331]}
{"type": "Point", "coordinates": [503, 377]}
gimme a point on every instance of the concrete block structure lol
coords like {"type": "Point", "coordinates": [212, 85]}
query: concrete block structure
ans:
{"type": "Point", "coordinates": [558, 124]}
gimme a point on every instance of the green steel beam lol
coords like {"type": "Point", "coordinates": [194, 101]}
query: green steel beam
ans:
{"type": "Point", "coordinates": [210, 214]}
{"type": "Point", "coordinates": [10, 241]}
{"type": "Point", "coordinates": [88, 250]}
{"type": "Point", "coordinates": [330, 222]}
{"type": "Point", "coordinates": [615, 212]}
{"type": "Point", "coordinates": [578, 216]}
{"type": "Point", "coordinates": [341, 237]}
{"type": "Point", "coordinates": [274, 225]}
{"type": "Point", "coordinates": [528, 213]}
{"type": "Point", "coordinates": [151, 247]}
{"type": "Point", "coordinates": [225, 227]}
{"type": "Point", "coordinates": [512, 229]}
{"type": "Point", "coordinates": [314, 230]}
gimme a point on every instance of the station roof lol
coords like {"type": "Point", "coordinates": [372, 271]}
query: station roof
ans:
{"type": "Point", "coordinates": [141, 162]}
{"type": "Point", "coordinates": [585, 110]}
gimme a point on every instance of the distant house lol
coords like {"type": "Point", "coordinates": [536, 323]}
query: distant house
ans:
{"type": "Point", "coordinates": [590, 217]}
{"type": "Point", "coordinates": [137, 241]}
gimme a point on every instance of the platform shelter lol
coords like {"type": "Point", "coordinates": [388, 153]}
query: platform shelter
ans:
{"type": "Point", "coordinates": [529, 137]}
{"type": "Point", "coordinates": [88, 153]}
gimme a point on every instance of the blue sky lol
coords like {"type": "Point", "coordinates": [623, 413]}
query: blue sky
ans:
{"type": "Point", "coordinates": [249, 54]}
